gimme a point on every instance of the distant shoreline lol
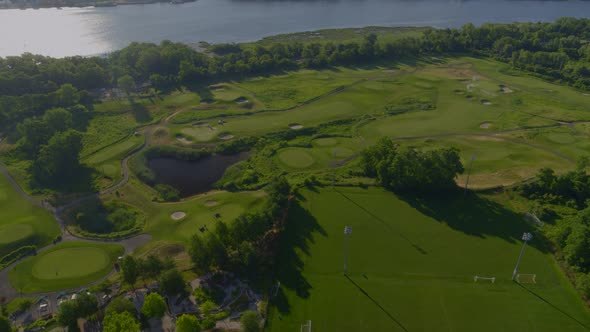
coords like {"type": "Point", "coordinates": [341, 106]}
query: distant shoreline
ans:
{"type": "Point", "coordinates": [59, 4]}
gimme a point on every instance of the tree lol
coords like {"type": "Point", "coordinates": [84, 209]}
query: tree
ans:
{"type": "Point", "coordinates": [68, 95]}
{"type": "Point", "coordinates": [130, 268]}
{"type": "Point", "coordinates": [68, 315]}
{"type": "Point", "coordinates": [154, 306]}
{"type": "Point", "coordinates": [250, 322]}
{"type": "Point", "coordinates": [172, 283]}
{"type": "Point", "coordinates": [57, 120]}
{"type": "Point", "coordinates": [120, 305]}
{"type": "Point", "coordinates": [59, 159]}
{"type": "Point", "coordinates": [86, 304]}
{"type": "Point", "coordinates": [120, 322]}
{"type": "Point", "coordinates": [5, 325]}
{"type": "Point", "coordinates": [152, 266]}
{"type": "Point", "coordinates": [126, 83]}
{"type": "Point", "coordinates": [188, 323]}
{"type": "Point", "coordinates": [199, 254]}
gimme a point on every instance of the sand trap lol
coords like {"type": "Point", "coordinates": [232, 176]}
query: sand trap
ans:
{"type": "Point", "coordinates": [178, 215]}
{"type": "Point", "coordinates": [586, 94]}
{"type": "Point", "coordinates": [390, 71]}
{"type": "Point", "coordinates": [211, 203]}
{"type": "Point", "coordinates": [469, 97]}
{"type": "Point", "coordinates": [183, 140]}
{"type": "Point", "coordinates": [242, 100]}
{"type": "Point", "coordinates": [485, 125]}
{"type": "Point", "coordinates": [486, 102]}
{"type": "Point", "coordinates": [296, 126]}
{"type": "Point", "coordinates": [226, 136]}
{"type": "Point", "coordinates": [459, 92]}
{"type": "Point", "coordinates": [505, 89]}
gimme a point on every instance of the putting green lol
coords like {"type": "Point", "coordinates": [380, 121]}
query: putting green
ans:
{"type": "Point", "coordinates": [200, 133]}
{"type": "Point", "coordinates": [14, 232]}
{"type": "Point", "coordinates": [70, 263]}
{"type": "Point", "coordinates": [66, 265]}
{"type": "Point", "coordinates": [328, 141]}
{"type": "Point", "coordinates": [296, 158]}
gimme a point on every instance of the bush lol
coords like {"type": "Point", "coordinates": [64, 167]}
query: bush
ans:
{"type": "Point", "coordinates": [167, 193]}
{"type": "Point", "coordinates": [16, 255]}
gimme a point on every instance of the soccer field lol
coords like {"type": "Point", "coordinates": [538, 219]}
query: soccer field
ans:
{"type": "Point", "coordinates": [411, 266]}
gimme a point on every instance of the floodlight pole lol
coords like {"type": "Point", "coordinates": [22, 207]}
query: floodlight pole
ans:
{"type": "Point", "coordinates": [347, 232]}
{"type": "Point", "coordinates": [469, 172]}
{"type": "Point", "coordinates": [526, 237]}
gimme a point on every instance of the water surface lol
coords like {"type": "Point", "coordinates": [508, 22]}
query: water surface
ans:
{"type": "Point", "coordinates": [88, 31]}
{"type": "Point", "coordinates": [193, 177]}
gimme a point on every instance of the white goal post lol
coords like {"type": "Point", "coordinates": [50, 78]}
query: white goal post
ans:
{"type": "Point", "coordinates": [526, 278]}
{"type": "Point", "coordinates": [492, 279]}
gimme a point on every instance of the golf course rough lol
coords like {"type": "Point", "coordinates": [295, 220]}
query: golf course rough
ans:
{"type": "Point", "coordinates": [66, 265]}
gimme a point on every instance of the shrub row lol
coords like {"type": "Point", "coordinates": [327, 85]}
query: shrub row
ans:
{"type": "Point", "coordinates": [16, 255]}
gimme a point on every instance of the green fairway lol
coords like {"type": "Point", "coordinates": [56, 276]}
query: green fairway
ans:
{"type": "Point", "coordinates": [22, 223]}
{"type": "Point", "coordinates": [15, 232]}
{"type": "Point", "coordinates": [411, 265]}
{"type": "Point", "coordinates": [67, 265]}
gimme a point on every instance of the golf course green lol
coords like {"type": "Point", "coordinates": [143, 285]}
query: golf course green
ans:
{"type": "Point", "coordinates": [67, 265]}
{"type": "Point", "coordinates": [411, 265]}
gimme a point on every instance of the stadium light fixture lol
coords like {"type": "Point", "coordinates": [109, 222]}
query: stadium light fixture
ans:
{"type": "Point", "coordinates": [526, 237]}
{"type": "Point", "coordinates": [347, 232]}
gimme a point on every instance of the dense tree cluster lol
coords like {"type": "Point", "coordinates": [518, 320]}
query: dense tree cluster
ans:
{"type": "Point", "coordinates": [405, 169]}
{"type": "Point", "coordinates": [150, 268]}
{"type": "Point", "coordinates": [248, 244]}
{"type": "Point", "coordinates": [571, 189]}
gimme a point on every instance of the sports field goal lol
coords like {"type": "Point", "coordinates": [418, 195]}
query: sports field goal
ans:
{"type": "Point", "coordinates": [478, 278]}
{"type": "Point", "coordinates": [526, 278]}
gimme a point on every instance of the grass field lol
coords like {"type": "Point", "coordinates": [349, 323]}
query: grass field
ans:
{"type": "Point", "coordinates": [22, 223]}
{"type": "Point", "coordinates": [67, 265]}
{"type": "Point", "coordinates": [411, 265]}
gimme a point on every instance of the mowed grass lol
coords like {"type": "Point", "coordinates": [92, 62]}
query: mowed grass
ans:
{"type": "Point", "coordinates": [67, 265]}
{"type": "Point", "coordinates": [411, 265]}
{"type": "Point", "coordinates": [22, 223]}
{"type": "Point", "coordinates": [108, 160]}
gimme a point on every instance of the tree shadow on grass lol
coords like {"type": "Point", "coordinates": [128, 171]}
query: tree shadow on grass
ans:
{"type": "Point", "coordinates": [299, 232]}
{"type": "Point", "coordinates": [140, 112]}
{"type": "Point", "coordinates": [387, 224]}
{"type": "Point", "coordinates": [586, 327]}
{"type": "Point", "coordinates": [393, 318]}
{"type": "Point", "coordinates": [476, 216]}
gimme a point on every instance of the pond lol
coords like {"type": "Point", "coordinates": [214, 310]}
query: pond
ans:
{"type": "Point", "coordinates": [193, 177]}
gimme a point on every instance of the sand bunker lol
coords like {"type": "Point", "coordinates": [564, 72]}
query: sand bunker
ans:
{"type": "Point", "coordinates": [505, 89]}
{"type": "Point", "coordinates": [459, 92]}
{"type": "Point", "coordinates": [242, 100]}
{"type": "Point", "coordinates": [296, 126]}
{"type": "Point", "coordinates": [211, 203]}
{"type": "Point", "coordinates": [485, 125]}
{"type": "Point", "coordinates": [183, 140]}
{"type": "Point", "coordinates": [486, 102]}
{"type": "Point", "coordinates": [226, 136]}
{"type": "Point", "coordinates": [178, 215]}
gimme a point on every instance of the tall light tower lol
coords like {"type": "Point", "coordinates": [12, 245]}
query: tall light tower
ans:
{"type": "Point", "coordinates": [469, 172]}
{"type": "Point", "coordinates": [526, 237]}
{"type": "Point", "coordinates": [347, 232]}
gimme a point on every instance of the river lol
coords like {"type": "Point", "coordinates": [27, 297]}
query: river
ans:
{"type": "Point", "coordinates": [90, 31]}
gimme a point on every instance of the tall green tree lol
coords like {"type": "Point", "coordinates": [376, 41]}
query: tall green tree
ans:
{"type": "Point", "coordinates": [5, 325]}
{"type": "Point", "coordinates": [126, 83]}
{"type": "Point", "coordinates": [250, 321]}
{"type": "Point", "coordinates": [120, 322]}
{"type": "Point", "coordinates": [154, 306]}
{"type": "Point", "coordinates": [59, 159]}
{"type": "Point", "coordinates": [172, 283]}
{"type": "Point", "coordinates": [187, 323]}
{"type": "Point", "coordinates": [131, 269]}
